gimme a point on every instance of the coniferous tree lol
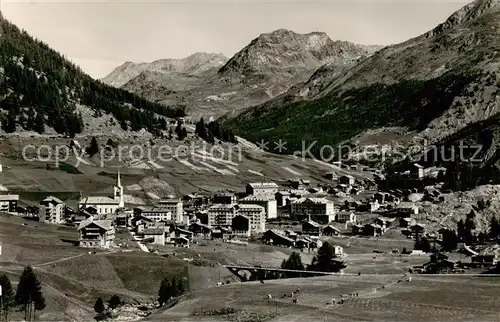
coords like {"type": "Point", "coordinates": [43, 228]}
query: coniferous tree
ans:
{"type": "Point", "coordinates": [9, 123]}
{"type": "Point", "coordinates": [494, 228]}
{"type": "Point", "coordinates": [39, 123]}
{"type": "Point", "coordinates": [294, 262]}
{"type": "Point", "coordinates": [165, 291]}
{"type": "Point", "coordinates": [114, 302]}
{"type": "Point", "coordinates": [93, 148]}
{"type": "Point", "coordinates": [325, 260]}
{"type": "Point", "coordinates": [99, 306]}
{"type": "Point", "coordinates": [29, 297]}
{"type": "Point", "coordinates": [7, 297]}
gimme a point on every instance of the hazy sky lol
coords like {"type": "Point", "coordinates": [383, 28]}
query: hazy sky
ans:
{"type": "Point", "coordinates": [100, 35]}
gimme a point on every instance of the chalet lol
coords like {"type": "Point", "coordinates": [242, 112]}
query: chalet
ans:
{"type": "Point", "coordinates": [82, 214]}
{"type": "Point", "coordinates": [439, 263]}
{"type": "Point", "coordinates": [282, 198]}
{"type": "Point", "coordinates": [301, 243]}
{"type": "Point", "coordinates": [417, 230]}
{"type": "Point", "coordinates": [240, 226]}
{"type": "Point", "coordinates": [199, 229]}
{"type": "Point", "coordinates": [183, 233]}
{"type": "Point", "coordinates": [96, 233]}
{"type": "Point", "coordinates": [331, 175]}
{"type": "Point", "coordinates": [380, 197]}
{"type": "Point", "coordinates": [151, 232]}
{"type": "Point", "coordinates": [330, 231]}
{"type": "Point", "coordinates": [373, 230]}
{"type": "Point", "coordinates": [346, 217]}
{"type": "Point", "coordinates": [344, 188]}
{"type": "Point", "coordinates": [221, 232]}
{"type": "Point", "coordinates": [277, 238]}
{"type": "Point", "coordinates": [291, 234]}
{"type": "Point", "coordinates": [262, 189]}
{"type": "Point", "coordinates": [316, 190]}
{"type": "Point", "coordinates": [357, 229]}
{"type": "Point", "coordinates": [182, 242]}
{"type": "Point", "coordinates": [123, 217]}
{"type": "Point", "coordinates": [347, 180]}
{"type": "Point", "coordinates": [370, 206]}
{"type": "Point", "coordinates": [406, 222]}
{"type": "Point", "coordinates": [8, 203]}
{"type": "Point", "coordinates": [484, 260]}
{"type": "Point", "coordinates": [136, 220]}
{"type": "Point", "coordinates": [311, 228]}
{"type": "Point", "coordinates": [406, 209]}
{"type": "Point", "coordinates": [300, 184]}
{"type": "Point", "coordinates": [52, 210]}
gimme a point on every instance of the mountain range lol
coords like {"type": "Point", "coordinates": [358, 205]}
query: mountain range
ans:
{"type": "Point", "coordinates": [212, 85]}
{"type": "Point", "coordinates": [430, 87]}
{"type": "Point", "coordinates": [441, 86]}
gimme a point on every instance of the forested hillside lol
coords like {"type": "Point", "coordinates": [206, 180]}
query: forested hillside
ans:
{"type": "Point", "coordinates": [38, 87]}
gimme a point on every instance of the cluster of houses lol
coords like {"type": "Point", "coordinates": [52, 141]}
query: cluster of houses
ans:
{"type": "Point", "coordinates": [307, 238]}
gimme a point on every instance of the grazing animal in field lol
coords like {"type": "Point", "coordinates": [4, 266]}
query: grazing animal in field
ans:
{"type": "Point", "coordinates": [284, 295]}
{"type": "Point", "coordinates": [409, 279]}
{"type": "Point", "coordinates": [219, 283]}
{"type": "Point", "coordinates": [269, 296]}
{"type": "Point", "coordinates": [292, 294]}
{"type": "Point", "coordinates": [295, 301]}
{"type": "Point", "coordinates": [297, 290]}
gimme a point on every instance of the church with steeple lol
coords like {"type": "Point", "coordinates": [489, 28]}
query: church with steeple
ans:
{"type": "Point", "coordinates": [105, 204]}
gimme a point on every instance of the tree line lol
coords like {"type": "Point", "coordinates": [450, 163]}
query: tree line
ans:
{"type": "Point", "coordinates": [214, 130]}
{"type": "Point", "coordinates": [38, 87]}
{"type": "Point", "coordinates": [28, 297]}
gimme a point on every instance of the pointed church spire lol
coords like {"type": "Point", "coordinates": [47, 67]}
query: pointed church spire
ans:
{"type": "Point", "coordinates": [118, 183]}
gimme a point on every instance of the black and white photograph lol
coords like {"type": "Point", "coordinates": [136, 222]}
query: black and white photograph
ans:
{"type": "Point", "coordinates": [249, 160]}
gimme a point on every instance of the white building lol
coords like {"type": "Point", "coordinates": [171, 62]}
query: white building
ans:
{"type": "Point", "coordinates": [346, 217]}
{"type": "Point", "coordinates": [156, 213]}
{"type": "Point", "coordinates": [52, 210]}
{"type": "Point", "coordinates": [269, 203]}
{"type": "Point", "coordinates": [338, 250]}
{"type": "Point", "coordinates": [174, 206]}
{"type": "Point", "coordinates": [262, 189]}
{"type": "Point", "coordinates": [314, 206]}
{"type": "Point", "coordinates": [8, 203]}
{"type": "Point", "coordinates": [105, 204]}
{"type": "Point", "coordinates": [224, 214]}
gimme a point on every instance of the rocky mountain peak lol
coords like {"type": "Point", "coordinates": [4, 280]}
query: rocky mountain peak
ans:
{"type": "Point", "coordinates": [289, 53]}
{"type": "Point", "coordinates": [467, 13]}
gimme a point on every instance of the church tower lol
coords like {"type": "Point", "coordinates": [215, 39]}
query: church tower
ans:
{"type": "Point", "coordinates": [118, 192]}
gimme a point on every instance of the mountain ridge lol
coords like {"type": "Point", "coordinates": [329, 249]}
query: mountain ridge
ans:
{"type": "Point", "coordinates": [267, 67]}
{"type": "Point", "coordinates": [445, 80]}
{"type": "Point", "coordinates": [193, 64]}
